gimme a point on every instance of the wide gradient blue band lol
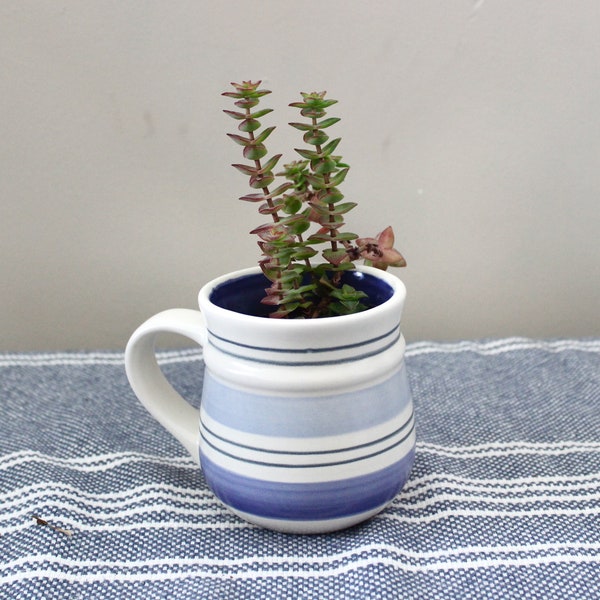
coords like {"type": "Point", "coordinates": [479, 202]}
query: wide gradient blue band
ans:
{"type": "Point", "coordinates": [296, 501]}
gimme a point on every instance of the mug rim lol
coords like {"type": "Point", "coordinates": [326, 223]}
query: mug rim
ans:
{"type": "Point", "coordinates": [396, 284]}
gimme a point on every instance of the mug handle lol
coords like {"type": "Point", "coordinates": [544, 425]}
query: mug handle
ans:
{"type": "Point", "coordinates": [151, 387]}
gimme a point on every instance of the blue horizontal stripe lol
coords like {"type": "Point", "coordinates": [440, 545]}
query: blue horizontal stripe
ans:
{"type": "Point", "coordinates": [305, 453]}
{"type": "Point", "coordinates": [305, 350]}
{"type": "Point", "coordinates": [308, 501]}
{"type": "Point", "coordinates": [310, 465]}
{"type": "Point", "coordinates": [312, 416]}
{"type": "Point", "coordinates": [312, 363]}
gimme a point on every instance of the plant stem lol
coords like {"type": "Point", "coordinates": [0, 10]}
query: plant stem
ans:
{"type": "Point", "coordinates": [326, 179]}
{"type": "Point", "coordinates": [258, 165]}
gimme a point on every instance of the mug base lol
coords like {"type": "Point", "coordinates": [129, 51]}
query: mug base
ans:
{"type": "Point", "coordinates": [307, 526]}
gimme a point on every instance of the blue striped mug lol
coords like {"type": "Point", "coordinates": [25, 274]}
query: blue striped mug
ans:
{"type": "Point", "coordinates": [305, 425]}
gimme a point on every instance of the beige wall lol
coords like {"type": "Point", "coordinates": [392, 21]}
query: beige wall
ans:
{"type": "Point", "coordinates": [472, 127]}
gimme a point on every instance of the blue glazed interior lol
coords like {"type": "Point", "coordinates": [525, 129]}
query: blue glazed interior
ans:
{"type": "Point", "coordinates": [243, 294]}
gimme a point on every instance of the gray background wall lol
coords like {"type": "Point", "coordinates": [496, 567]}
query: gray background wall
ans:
{"type": "Point", "coordinates": [473, 127]}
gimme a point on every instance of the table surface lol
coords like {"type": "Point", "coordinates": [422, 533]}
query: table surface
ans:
{"type": "Point", "coordinates": [503, 501]}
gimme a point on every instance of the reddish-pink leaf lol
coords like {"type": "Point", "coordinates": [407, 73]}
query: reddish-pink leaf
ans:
{"type": "Point", "coordinates": [252, 197]}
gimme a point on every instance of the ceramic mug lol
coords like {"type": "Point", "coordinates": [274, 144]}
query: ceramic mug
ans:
{"type": "Point", "coordinates": [305, 425]}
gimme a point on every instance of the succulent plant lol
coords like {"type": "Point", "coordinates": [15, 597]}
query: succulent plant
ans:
{"type": "Point", "coordinates": [304, 248]}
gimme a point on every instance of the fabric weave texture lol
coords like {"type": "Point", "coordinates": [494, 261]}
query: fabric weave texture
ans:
{"type": "Point", "coordinates": [503, 501]}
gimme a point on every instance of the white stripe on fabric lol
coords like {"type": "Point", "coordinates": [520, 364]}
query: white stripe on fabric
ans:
{"type": "Point", "coordinates": [510, 448]}
{"type": "Point", "coordinates": [107, 498]}
{"type": "Point", "coordinates": [164, 357]}
{"type": "Point", "coordinates": [537, 490]}
{"type": "Point", "coordinates": [469, 514]}
{"type": "Point", "coordinates": [469, 558]}
{"type": "Point", "coordinates": [228, 521]}
{"type": "Point", "coordinates": [86, 504]}
{"type": "Point", "coordinates": [95, 463]}
{"type": "Point", "coordinates": [103, 462]}
{"type": "Point", "coordinates": [501, 346]}
{"type": "Point", "coordinates": [559, 485]}
{"type": "Point", "coordinates": [451, 497]}
{"type": "Point", "coordinates": [78, 515]}
{"type": "Point", "coordinates": [479, 499]}
{"type": "Point", "coordinates": [166, 507]}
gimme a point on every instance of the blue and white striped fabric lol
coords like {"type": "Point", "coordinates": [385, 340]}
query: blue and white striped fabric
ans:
{"type": "Point", "coordinates": [503, 501]}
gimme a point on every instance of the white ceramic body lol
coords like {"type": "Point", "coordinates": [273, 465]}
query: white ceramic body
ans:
{"type": "Point", "coordinates": [305, 426]}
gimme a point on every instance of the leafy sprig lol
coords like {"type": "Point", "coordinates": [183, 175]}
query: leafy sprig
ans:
{"type": "Point", "coordinates": [306, 211]}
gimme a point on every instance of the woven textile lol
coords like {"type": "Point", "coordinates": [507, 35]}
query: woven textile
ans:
{"type": "Point", "coordinates": [503, 501]}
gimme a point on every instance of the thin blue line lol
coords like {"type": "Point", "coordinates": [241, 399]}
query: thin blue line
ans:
{"type": "Point", "coordinates": [310, 466]}
{"type": "Point", "coordinates": [315, 363]}
{"type": "Point", "coordinates": [300, 453]}
{"type": "Point", "coordinates": [305, 350]}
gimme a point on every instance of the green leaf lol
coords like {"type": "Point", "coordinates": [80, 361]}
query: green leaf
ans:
{"type": "Point", "coordinates": [292, 275]}
{"type": "Point", "coordinates": [239, 139]}
{"type": "Point", "coordinates": [246, 169]}
{"type": "Point", "coordinates": [259, 93]}
{"type": "Point", "coordinates": [327, 103]}
{"type": "Point", "coordinates": [304, 253]}
{"type": "Point", "coordinates": [293, 219]}
{"type": "Point", "coordinates": [248, 125]}
{"type": "Point", "coordinates": [321, 237]}
{"type": "Point", "coordinates": [312, 112]}
{"type": "Point", "coordinates": [270, 164]}
{"type": "Point", "coordinates": [280, 189]}
{"type": "Point", "coordinates": [298, 294]}
{"type": "Point", "coordinates": [292, 204]}
{"type": "Point", "coordinates": [330, 147]}
{"type": "Point", "coordinates": [260, 180]}
{"type": "Point", "coordinates": [338, 178]}
{"type": "Point", "coordinates": [247, 103]}
{"type": "Point", "coordinates": [336, 224]}
{"type": "Point", "coordinates": [317, 100]}
{"type": "Point", "coordinates": [264, 135]}
{"type": "Point", "coordinates": [335, 257]}
{"type": "Point", "coordinates": [246, 94]}
{"type": "Point", "coordinates": [321, 209]}
{"type": "Point", "coordinates": [260, 113]}
{"type": "Point", "coordinates": [235, 115]}
{"type": "Point", "coordinates": [326, 237]}
{"type": "Point", "coordinates": [316, 181]}
{"type": "Point", "coordinates": [302, 126]}
{"type": "Point", "coordinates": [328, 122]}
{"type": "Point", "coordinates": [346, 307]}
{"type": "Point", "coordinates": [298, 228]}
{"type": "Point", "coordinates": [346, 266]}
{"type": "Point", "coordinates": [315, 137]}
{"type": "Point", "coordinates": [347, 292]}
{"type": "Point", "coordinates": [255, 152]}
{"type": "Point", "coordinates": [265, 209]}
{"type": "Point", "coordinates": [342, 208]}
{"type": "Point", "coordinates": [284, 257]}
{"type": "Point", "coordinates": [308, 154]}
{"type": "Point", "coordinates": [245, 90]}
{"type": "Point", "coordinates": [331, 196]}
{"type": "Point", "coordinates": [323, 165]}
